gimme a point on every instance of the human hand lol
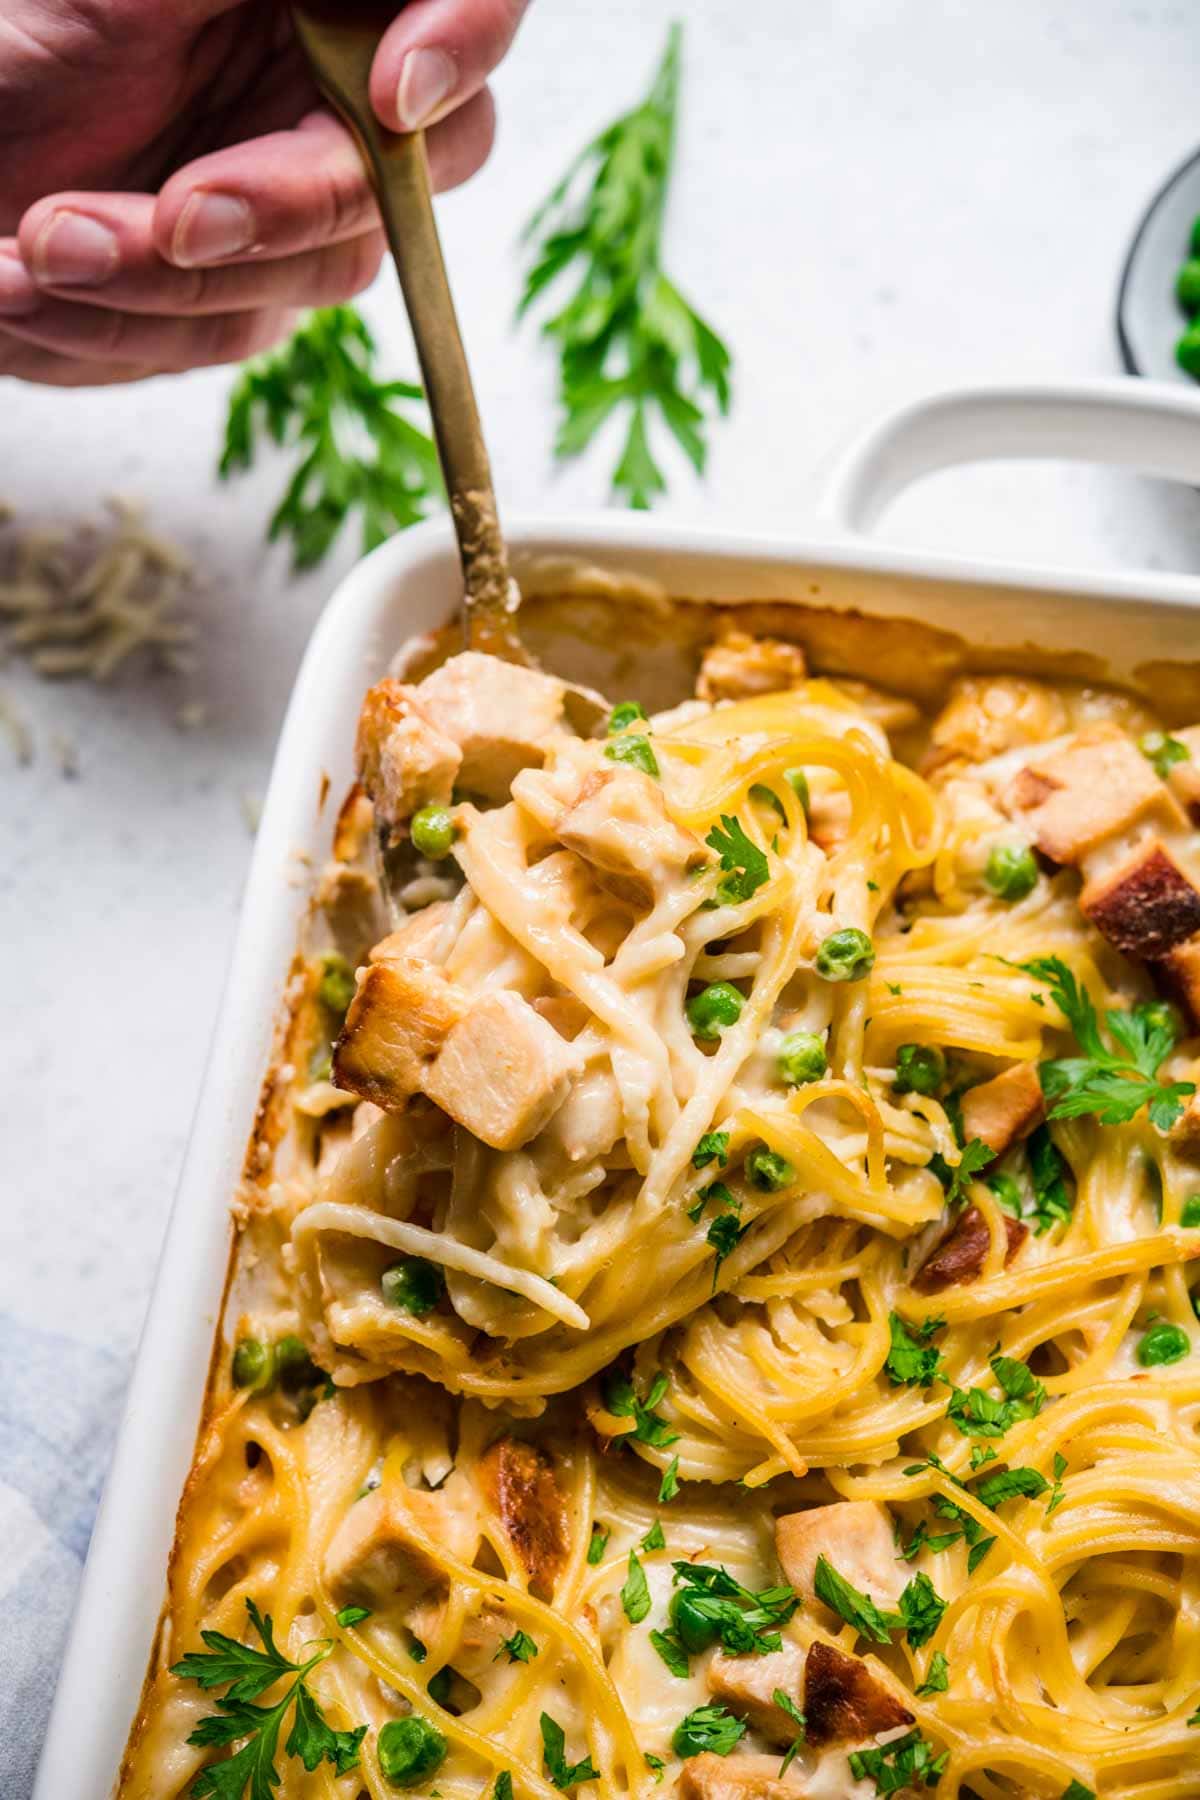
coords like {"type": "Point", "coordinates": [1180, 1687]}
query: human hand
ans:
{"type": "Point", "coordinates": [174, 189]}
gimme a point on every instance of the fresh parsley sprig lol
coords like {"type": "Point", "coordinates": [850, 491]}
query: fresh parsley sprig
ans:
{"type": "Point", "coordinates": [649, 1426]}
{"type": "Point", "coordinates": [745, 864]}
{"type": "Point", "coordinates": [321, 396]}
{"type": "Point", "coordinates": [247, 1673]}
{"type": "Point", "coordinates": [903, 1764]}
{"type": "Point", "coordinates": [628, 342]}
{"type": "Point", "coordinates": [913, 1361]}
{"type": "Point", "coordinates": [565, 1775]}
{"type": "Point", "coordinates": [1112, 1084]}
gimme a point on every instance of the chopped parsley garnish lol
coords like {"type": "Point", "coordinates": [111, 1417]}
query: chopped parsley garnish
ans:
{"type": "Point", "coordinates": [719, 1194]}
{"type": "Point", "coordinates": [669, 1486]}
{"type": "Point", "coordinates": [724, 1234]}
{"type": "Point", "coordinates": [921, 1608]}
{"type": "Point", "coordinates": [1162, 752]}
{"type": "Point", "coordinates": [713, 1147]}
{"type": "Point", "coordinates": [745, 864]}
{"type": "Point", "coordinates": [649, 1426]}
{"type": "Point", "coordinates": [563, 1774]}
{"type": "Point", "coordinates": [912, 1360]}
{"type": "Point", "coordinates": [635, 1595]}
{"type": "Point", "coordinates": [1189, 1218]}
{"type": "Point", "coordinates": [670, 1647]}
{"type": "Point", "coordinates": [786, 1704]}
{"type": "Point", "coordinates": [858, 1609]}
{"type": "Point", "coordinates": [977, 1552]}
{"type": "Point", "coordinates": [520, 1647]}
{"type": "Point", "coordinates": [654, 1539]}
{"type": "Point", "coordinates": [976, 1156]}
{"type": "Point", "coordinates": [596, 1545]}
{"type": "Point", "coordinates": [1075, 1790]}
{"type": "Point", "coordinates": [903, 1763]}
{"type": "Point", "coordinates": [707, 1728]}
{"type": "Point", "coordinates": [502, 1788]}
{"type": "Point", "coordinates": [633, 747]}
{"type": "Point", "coordinates": [710, 1605]}
{"type": "Point", "coordinates": [922, 1539]}
{"type": "Point", "coordinates": [1008, 1193]}
{"type": "Point", "coordinates": [1056, 1493]}
{"type": "Point", "coordinates": [1114, 1085]}
{"type": "Point", "coordinates": [937, 1678]}
{"type": "Point", "coordinates": [1053, 1201]}
{"type": "Point", "coordinates": [352, 1615]}
{"type": "Point", "coordinates": [654, 1763]}
{"type": "Point", "coordinates": [1011, 1484]}
{"type": "Point", "coordinates": [977, 1413]}
{"type": "Point", "coordinates": [246, 1673]}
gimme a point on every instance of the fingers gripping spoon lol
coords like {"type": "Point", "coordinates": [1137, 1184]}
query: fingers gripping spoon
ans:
{"type": "Point", "coordinates": [340, 38]}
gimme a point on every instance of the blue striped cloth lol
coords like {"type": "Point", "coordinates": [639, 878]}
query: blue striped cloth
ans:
{"type": "Point", "coordinates": [59, 1405]}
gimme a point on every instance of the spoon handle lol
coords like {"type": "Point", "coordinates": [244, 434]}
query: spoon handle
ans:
{"type": "Point", "coordinates": [340, 50]}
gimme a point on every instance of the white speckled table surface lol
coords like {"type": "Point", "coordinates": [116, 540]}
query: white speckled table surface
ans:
{"type": "Point", "coordinates": [873, 198]}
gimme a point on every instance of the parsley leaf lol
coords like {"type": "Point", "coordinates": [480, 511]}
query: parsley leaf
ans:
{"type": "Point", "coordinates": [654, 1539]}
{"type": "Point", "coordinates": [627, 339]}
{"type": "Point", "coordinates": [745, 864]}
{"type": "Point", "coordinates": [1011, 1484]}
{"type": "Point", "coordinates": [724, 1234]}
{"type": "Point", "coordinates": [649, 1427]}
{"type": "Point", "coordinates": [670, 1647]}
{"type": "Point", "coordinates": [977, 1413]}
{"type": "Point", "coordinates": [352, 1615]}
{"type": "Point", "coordinates": [248, 1672]}
{"type": "Point", "coordinates": [712, 1147]}
{"type": "Point", "coordinates": [1162, 752]}
{"type": "Point", "coordinates": [912, 1360]}
{"type": "Point", "coordinates": [1075, 1790]}
{"type": "Point", "coordinates": [669, 1486]}
{"type": "Point", "coordinates": [937, 1678]}
{"type": "Point", "coordinates": [903, 1763]}
{"type": "Point", "coordinates": [921, 1608]}
{"type": "Point", "coordinates": [1057, 1492]}
{"type": "Point", "coordinates": [786, 1704]}
{"type": "Point", "coordinates": [1053, 1200]}
{"type": "Point", "coordinates": [707, 1728]}
{"type": "Point", "coordinates": [977, 1553]}
{"type": "Point", "coordinates": [563, 1774]}
{"type": "Point", "coordinates": [635, 1595]}
{"type": "Point", "coordinates": [595, 1549]}
{"type": "Point", "coordinates": [858, 1609]}
{"type": "Point", "coordinates": [976, 1156]}
{"type": "Point", "coordinates": [320, 396]}
{"type": "Point", "coordinates": [502, 1788]}
{"type": "Point", "coordinates": [520, 1647]}
{"type": "Point", "coordinates": [741, 1618]}
{"type": "Point", "coordinates": [1114, 1085]}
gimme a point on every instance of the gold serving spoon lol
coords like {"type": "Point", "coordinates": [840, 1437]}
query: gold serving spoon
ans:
{"type": "Point", "coordinates": [340, 38]}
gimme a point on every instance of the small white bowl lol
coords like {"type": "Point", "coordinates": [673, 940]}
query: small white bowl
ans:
{"type": "Point", "coordinates": [1149, 318]}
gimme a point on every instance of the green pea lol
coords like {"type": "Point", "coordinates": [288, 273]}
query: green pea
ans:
{"type": "Point", "coordinates": [336, 987]}
{"type": "Point", "coordinates": [623, 716]}
{"type": "Point", "coordinates": [920, 1069]}
{"type": "Point", "coordinates": [293, 1364]}
{"type": "Point", "coordinates": [713, 1009]}
{"type": "Point", "coordinates": [253, 1365]}
{"type": "Point", "coordinates": [797, 780]}
{"type": "Point", "coordinates": [1011, 871]}
{"type": "Point", "coordinates": [413, 1285]}
{"type": "Point", "coordinates": [696, 1632]}
{"type": "Point", "coordinates": [1187, 351]}
{"type": "Point", "coordinates": [1163, 1343]}
{"type": "Point", "coordinates": [1190, 1216]}
{"type": "Point", "coordinates": [433, 832]}
{"type": "Point", "coordinates": [801, 1058]}
{"type": "Point", "coordinates": [409, 1750]}
{"type": "Point", "coordinates": [767, 1171]}
{"type": "Point", "coordinates": [634, 749]}
{"type": "Point", "coordinates": [846, 955]}
{"type": "Point", "coordinates": [1187, 285]}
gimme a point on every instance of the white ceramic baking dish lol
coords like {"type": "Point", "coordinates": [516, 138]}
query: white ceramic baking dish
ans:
{"type": "Point", "coordinates": [1131, 621]}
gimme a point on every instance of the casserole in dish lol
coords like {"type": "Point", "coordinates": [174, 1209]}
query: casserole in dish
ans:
{"type": "Point", "coordinates": [600, 613]}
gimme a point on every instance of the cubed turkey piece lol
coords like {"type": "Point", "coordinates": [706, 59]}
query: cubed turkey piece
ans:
{"type": "Point", "coordinates": [959, 1257]}
{"type": "Point", "coordinates": [522, 1490]}
{"type": "Point", "coordinates": [843, 1702]}
{"type": "Point", "coordinates": [398, 1021]}
{"type": "Point", "coordinates": [855, 1536]}
{"type": "Point", "coordinates": [1146, 905]}
{"type": "Point", "coordinates": [1097, 784]}
{"type": "Point", "coordinates": [1183, 778]}
{"type": "Point", "coordinates": [712, 1777]}
{"type": "Point", "coordinates": [375, 1558]}
{"type": "Point", "coordinates": [498, 714]}
{"type": "Point", "coordinates": [502, 1071]}
{"type": "Point", "coordinates": [404, 760]}
{"type": "Point", "coordinates": [619, 824]}
{"type": "Point", "coordinates": [1179, 970]}
{"type": "Point", "coordinates": [986, 715]}
{"type": "Point", "coordinates": [747, 1684]}
{"type": "Point", "coordinates": [1005, 1108]}
{"type": "Point", "coordinates": [738, 666]}
{"type": "Point", "coordinates": [416, 938]}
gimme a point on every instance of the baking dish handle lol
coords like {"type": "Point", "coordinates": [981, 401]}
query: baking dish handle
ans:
{"type": "Point", "coordinates": [1151, 427]}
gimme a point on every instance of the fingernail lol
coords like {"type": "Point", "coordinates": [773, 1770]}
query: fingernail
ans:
{"type": "Point", "coordinates": [212, 227]}
{"type": "Point", "coordinates": [427, 77]}
{"type": "Point", "coordinates": [17, 292]}
{"type": "Point", "coordinates": [72, 250]}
